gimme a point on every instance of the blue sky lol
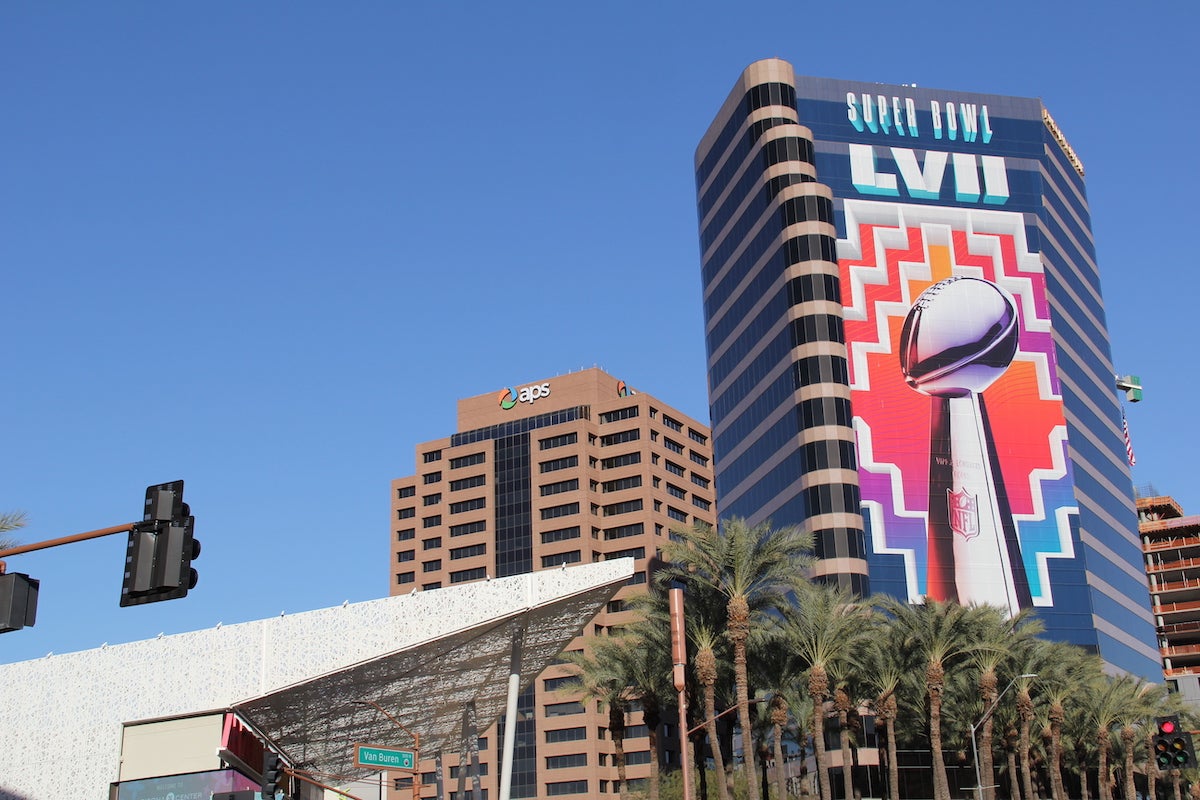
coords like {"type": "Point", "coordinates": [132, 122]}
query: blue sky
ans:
{"type": "Point", "coordinates": [265, 247]}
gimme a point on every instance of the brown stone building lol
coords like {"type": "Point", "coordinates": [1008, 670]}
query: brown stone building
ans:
{"type": "Point", "coordinates": [576, 468]}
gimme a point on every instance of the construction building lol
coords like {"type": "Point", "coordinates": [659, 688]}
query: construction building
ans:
{"type": "Point", "coordinates": [574, 468]}
{"type": "Point", "coordinates": [1171, 544]}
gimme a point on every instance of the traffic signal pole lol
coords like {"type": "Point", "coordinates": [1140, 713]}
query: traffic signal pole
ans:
{"type": "Point", "coordinates": [78, 537]}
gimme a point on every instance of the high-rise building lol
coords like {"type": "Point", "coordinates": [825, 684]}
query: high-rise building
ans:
{"type": "Point", "coordinates": [577, 468]}
{"type": "Point", "coordinates": [907, 351]}
{"type": "Point", "coordinates": [1171, 543]}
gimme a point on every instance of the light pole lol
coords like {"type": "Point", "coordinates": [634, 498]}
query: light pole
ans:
{"type": "Point", "coordinates": [416, 785]}
{"type": "Point", "coordinates": [986, 715]}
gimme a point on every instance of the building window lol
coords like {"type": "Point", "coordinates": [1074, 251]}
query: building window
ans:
{"type": "Point", "coordinates": [406, 555]}
{"type": "Point", "coordinates": [620, 437]}
{"type": "Point", "coordinates": [560, 535]}
{"type": "Point", "coordinates": [404, 577]}
{"type": "Point", "coordinates": [558, 441]}
{"type": "Point", "coordinates": [406, 513]}
{"type": "Point", "coordinates": [675, 491]}
{"type": "Point", "coordinates": [468, 527]}
{"type": "Point", "coordinates": [564, 709]}
{"type": "Point", "coordinates": [563, 762]}
{"type": "Point", "coordinates": [615, 606]}
{"type": "Point", "coordinates": [637, 757]}
{"type": "Point", "coordinates": [621, 531]}
{"type": "Point", "coordinates": [676, 514]}
{"type": "Point", "coordinates": [433, 477]}
{"type": "Point", "coordinates": [700, 481]}
{"type": "Point", "coordinates": [425, 587]}
{"type": "Point", "coordinates": [621, 461]}
{"type": "Point", "coordinates": [468, 483]}
{"type": "Point", "coordinates": [466, 771]}
{"type": "Point", "coordinates": [431, 499]}
{"type": "Point", "coordinates": [633, 552]}
{"type": "Point", "coordinates": [559, 463]}
{"type": "Point", "coordinates": [467, 552]}
{"type": "Point", "coordinates": [554, 684]}
{"type": "Point", "coordinates": [474, 504]}
{"type": "Point", "coordinates": [674, 468]}
{"type": "Point", "coordinates": [558, 559]}
{"type": "Point", "coordinates": [566, 735]}
{"type": "Point", "coordinates": [566, 787]}
{"type": "Point", "coordinates": [672, 445]}
{"type": "Point", "coordinates": [672, 423]}
{"type": "Point", "coordinates": [432, 455]}
{"type": "Point", "coordinates": [430, 544]}
{"type": "Point", "coordinates": [699, 459]}
{"type": "Point", "coordinates": [623, 508]}
{"type": "Point", "coordinates": [697, 437]}
{"type": "Point", "coordinates": [620, 413]}
{"type": "Point", "coordinates": [467, 461]}
{"type": "Point", "coordinates": [431, 566]}
{"type": "Point", "coordinates": [560, 487]}
{"type": "Point", "coordinates": [632, 482]}
{"type": "Point", "coordinates": [701, 503]}
{"type": "Point", "coordinates": [406, 491]}
{"type": "Point", "coordinates": [560, 511]}
{"type": "Point", "coordinates": [405, 534]}
{"type": "Point", "coordinates": [431, 522]}
{"type": "Point", "coordinates": [477, 574]}
{"type": "Point", "coordinates": [637, 580]}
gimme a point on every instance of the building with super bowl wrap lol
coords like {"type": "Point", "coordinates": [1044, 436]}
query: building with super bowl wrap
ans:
{"type": "Point", "coordinates": [907, 351]}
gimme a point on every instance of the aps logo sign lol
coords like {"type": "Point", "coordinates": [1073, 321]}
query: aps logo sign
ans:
{"type": "Point", "coordinates": [526, 394]}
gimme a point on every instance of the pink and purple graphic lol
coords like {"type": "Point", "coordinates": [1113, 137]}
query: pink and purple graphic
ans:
{"type": "Point", "coordinates": [958, 411]}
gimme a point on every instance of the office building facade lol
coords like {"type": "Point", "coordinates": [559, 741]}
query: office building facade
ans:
{"type": "Point", "coordinates": [576, 468]}
{"type": "Point", "coordinates": [907, 351]}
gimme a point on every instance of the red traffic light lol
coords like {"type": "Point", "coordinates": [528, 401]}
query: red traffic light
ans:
{"type": "Point", "coordinates": [1167, 726]}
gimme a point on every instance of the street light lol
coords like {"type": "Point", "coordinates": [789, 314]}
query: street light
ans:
{"type": "Point", "coordinates": [983, 719]}
{"type": "Point", "coordinates": [416, 785]}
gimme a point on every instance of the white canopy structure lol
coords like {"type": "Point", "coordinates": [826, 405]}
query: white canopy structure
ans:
{"type": "Point", "coordinates": [300, 679]}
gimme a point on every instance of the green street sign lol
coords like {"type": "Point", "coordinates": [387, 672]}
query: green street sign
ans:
{"type": "Point", "coordinates": [366, 755]}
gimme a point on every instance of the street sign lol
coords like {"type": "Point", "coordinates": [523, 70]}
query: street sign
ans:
{"type": "Point", "coordinates": [366, 755]}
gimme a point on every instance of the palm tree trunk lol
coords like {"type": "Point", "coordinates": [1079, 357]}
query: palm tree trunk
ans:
{"type": "Point", "coordinates": [1014, 784]}
{"type": "Point", "coordinates": [987, 765]}
{"type": "Point", "coordinates": [893, 767]}
{"type": "Point", "coordinates": [1102, 770]}
{"type": "Point", "coordinates": [714, 740]}
{"type": "Point", "coordinates": [652, 716]}
{"type": "Point", "coordinates": [779, 715]}
{"type": "Point", "coordinates": [1151, 767]}
{"type": "Point", "coordinates": [1025, 713]}
{"type": "Point", "coordinates": [1057, 714]}
{"type": "Point", "coordinates": [1175, 783]}
{"type": "Point", "coordinates": [1127, 734]}
{"type": "Point", "coordinates": [843, 708]}
{"type": "Point", "coordinates": [616, 727]}
{"type": "Point", "coordinates": [738, 611]}
{"type": "Point", "coordinates": [818, 687]}
{"type": "Point", "coordinates": [934, 680]}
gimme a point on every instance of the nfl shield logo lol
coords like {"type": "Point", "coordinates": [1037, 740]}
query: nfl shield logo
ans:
{"type": "Point", "coordinates": [964, 514]}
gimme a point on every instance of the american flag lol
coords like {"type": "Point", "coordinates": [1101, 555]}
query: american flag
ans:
{"type": "Point", "coordinates": [1128, 442]}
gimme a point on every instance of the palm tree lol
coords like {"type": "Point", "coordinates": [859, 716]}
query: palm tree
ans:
{"type": "Point", "coordinates": [884, 668]}
{"type": "Point", "coordinates": [10, 521]}
{"type": "Point", "coordinates": [645, 647]}
{"type": "Point", "coordinates": [755, 569]}
{"type": "Point", "coordinates": [1002, 641]}
{"type": "Point", "coordinates": [825, 629]}
{"type": "Point", "coordinates": [604, 676]}
{"type": "Point", "coordinates": [1062, 668]}
{"type": "Point", "coordinates": [941, 635]}
{"type": "Point", "coordinates": [1115, 700]}
{"type": "Point", "coordinates": [706, 666]}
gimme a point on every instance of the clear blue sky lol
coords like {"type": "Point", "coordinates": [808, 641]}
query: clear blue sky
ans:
{"type": "Point", "coordinates": [265, 247]}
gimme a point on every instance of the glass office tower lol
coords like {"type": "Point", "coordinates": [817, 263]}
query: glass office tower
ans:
{"type": "Point", "coordinates": [907, 351]}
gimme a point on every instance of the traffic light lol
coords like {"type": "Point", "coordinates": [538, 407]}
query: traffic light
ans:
{"type": "Point", "coordinates": [160, 550]}
{"type": "Point", "coordinates": [18, 601]}
{"type": "Point", "coordinates": [271, 772]}
{"type": "Point", "coordinates": [1173, 747]}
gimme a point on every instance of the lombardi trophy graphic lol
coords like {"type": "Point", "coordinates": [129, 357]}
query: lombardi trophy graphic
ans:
{"type": "Point", "coordinates": [958, 338]}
